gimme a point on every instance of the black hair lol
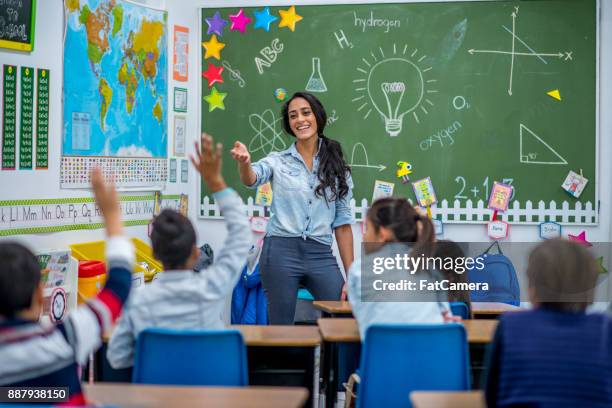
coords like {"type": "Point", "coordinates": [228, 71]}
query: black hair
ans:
{"type": "Point", "coordinates": [173, 239]}
{"type": "Point", "coordinates": [19, 278]}
{"type": "Point", "coordinates": [333, 169]}
{"type": "Point", "coordinates": [449, 249]}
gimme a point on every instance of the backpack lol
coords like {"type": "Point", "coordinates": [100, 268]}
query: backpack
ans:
{"type": "Point", "coordinates": [499, 273]}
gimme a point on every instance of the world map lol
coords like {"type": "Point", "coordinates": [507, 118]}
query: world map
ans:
{"type": "Point", "coordinates": [115, 80]}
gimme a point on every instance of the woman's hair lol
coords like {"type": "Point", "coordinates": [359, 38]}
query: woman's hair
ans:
{"type": "Point", "coordinates": [449, 249]}
{"type": "Point", "coordinates": [333, 169]}
{"type": "Point", "coordinates": [562, 275]}
{"type": "Point", "coordinates": [173, 239]}
{"type": "Point", "coordinates": [19, 278]}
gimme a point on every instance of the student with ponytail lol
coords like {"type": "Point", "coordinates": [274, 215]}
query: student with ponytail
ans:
{"type": "Point", "coordinates": [312, 189]}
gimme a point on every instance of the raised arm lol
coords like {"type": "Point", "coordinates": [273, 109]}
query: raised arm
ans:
{"type": "Point", "coordinates": [241, 154]}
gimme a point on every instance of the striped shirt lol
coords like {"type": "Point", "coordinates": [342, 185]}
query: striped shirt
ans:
{"type": "Point", "coordinates": [46, 355]}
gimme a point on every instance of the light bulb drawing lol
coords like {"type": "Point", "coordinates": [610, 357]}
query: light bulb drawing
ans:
{"type": "Point", "coordinates": [394, 86]}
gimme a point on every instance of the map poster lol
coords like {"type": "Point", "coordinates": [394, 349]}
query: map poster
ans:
{"type": "Point", "coordinates": [26, 118]}
{"type": "Point", "coordinates": [9, 114]}
{"type": "Point", "coordinates": [43, 76]}
{"type": "Point", "coordinates": [115, 93]}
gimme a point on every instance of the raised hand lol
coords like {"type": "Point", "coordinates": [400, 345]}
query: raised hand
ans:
{"type": "Point", "coordinates": [108, 202]}
{"type": "Point", "coordinates": [240, 153]}
{"type": "Point", "coordinates": [207, 160]}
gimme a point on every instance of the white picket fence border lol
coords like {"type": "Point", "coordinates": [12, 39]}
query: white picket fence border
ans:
{"type": "Point", "coordinates": [458, 214]}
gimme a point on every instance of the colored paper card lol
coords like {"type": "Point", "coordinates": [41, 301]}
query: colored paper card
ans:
{"type": "Point", "coordinates": [500, 196]}
{"type": "Point", "coordinates": [184, 205]}
{"type": "Point", "coordinates": [382, 189]}
{"type": "Point", "coordinates": [424, 192]}
{"type": "Point", "coordinates": [259, 224]}
{"type": "Point", "coordinates": [497, 229]}
{"type": "Point", "coordinates": [600, 265]}
{"type": "Point", "coordinates": [181, 53]}
{"type": "Point", "coordinates": [180, 131]}
{"type": "Point", "coordinates": [172, 175]}
{"type": "Point", "coordinates": [180, 100]}
{"type": "Point", "coordinates": [42, 118]}
{"type": "Point", "coordinates": [438, 226]}
{"type": "Point", "coordinates": [26, 118]}
{"type": "Point", "coordinates": [157, 202]}
{"type": "Point", "coordinates": [9, 129]}
{"type": "Point", "coordinates": [184, 171]}
{"type": "Point", "coordinates": [574, 184]}
{"type": "Point", "coordinates": [550, 230]}
{"type": "Point", "coordinates": [264, 195]}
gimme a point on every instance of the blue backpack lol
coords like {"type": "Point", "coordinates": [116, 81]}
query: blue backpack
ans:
{"type": "Point", "coordinates": [499, 273]}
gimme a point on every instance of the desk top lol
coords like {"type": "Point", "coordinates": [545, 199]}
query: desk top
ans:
{"type": "Point", "coordinates": [478, 308]}
{"type": "Point", "coordinates": [291, 336]}
{"type": "Point", "coordinates": [460, 399]}
{"type": "Point", "coordinates": [346, 330]}
{"type": "Point", "coordinates": [137, 395]}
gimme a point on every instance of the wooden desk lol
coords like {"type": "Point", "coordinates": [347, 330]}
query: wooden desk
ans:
{"type": "Point", "coordinates": [132, 395]}
{"type": "Point", "coordinates": [333, 308]}
{"type": "Point", "coordinates": [279, 336]}
{"type": "Point", "coordinates": [460, 399]}
{"type": "Point", "coordinates": [334, 331]}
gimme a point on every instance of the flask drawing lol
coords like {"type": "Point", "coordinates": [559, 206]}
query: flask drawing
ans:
{"type": "Point", "coordinates": [316, 82]}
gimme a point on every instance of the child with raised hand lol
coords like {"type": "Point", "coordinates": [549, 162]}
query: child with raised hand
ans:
{"type": "Point", "coordinates": [181, 298]}
{"type": "Point", "coordinates": [39, 355]}
{"type": "Point", "coordinates": [555, 355]}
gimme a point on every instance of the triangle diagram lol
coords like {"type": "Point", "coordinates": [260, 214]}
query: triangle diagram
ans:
{"type": "Point", "coordinates": [534, 150]}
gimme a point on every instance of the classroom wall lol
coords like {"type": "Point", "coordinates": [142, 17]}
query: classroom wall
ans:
{"type": "Point", "coordinates": [22, 184]}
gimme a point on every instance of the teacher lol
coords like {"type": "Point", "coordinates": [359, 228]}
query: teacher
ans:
{"type": "Point", "coordinates": [312, 189]}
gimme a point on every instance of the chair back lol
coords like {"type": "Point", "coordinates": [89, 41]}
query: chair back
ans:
{"type": "Point", "coordinates": [399, 359]}
{"type": "Point", "coordinates": [460, 309]}
{"type": "Point", "coordinates": [190, 357]}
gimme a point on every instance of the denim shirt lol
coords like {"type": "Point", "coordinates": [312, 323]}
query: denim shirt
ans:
{"type": "Point", "coordinates": [296, 211]}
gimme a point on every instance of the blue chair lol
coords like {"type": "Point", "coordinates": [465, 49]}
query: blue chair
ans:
{"type": "Point", "coordinates": [189, 357]}
{"type": "Point", "coordinates": [399, 359]}
{"type": "Point", "coordinates": [460, 309]}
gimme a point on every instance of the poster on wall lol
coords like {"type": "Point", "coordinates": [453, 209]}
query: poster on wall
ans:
{"type": "Point", "coordinates": [180, 67]}
{"type": "Point", "coordinates": [115, 93]}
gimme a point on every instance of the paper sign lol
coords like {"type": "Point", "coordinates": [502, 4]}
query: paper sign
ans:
{"type": "Point", "coordinates": [500, 196]}
{"type": "Point", "coordinates": [264, 195]}
{"type": "Point", "coordinates": [258, 224]}
{"type": "Point", "coordinates": [438, 226]}
{"type": "Point", "coordinates": [574, 184]}
{"type": "Point", "coordinates": [382, 189]}
{"type": "Point", "coordinates": [550, 230]}
{"type": "Point", "coordinates": [180, 100]}
{"type": "Point", "coordinates": [180, 130]}
{"type": "Point", "coordinates": [497, 229]}
{"type": "Point", "coordinates": [157, 202]}
{"type": "Point", "coordinates": [54, 267]}
{"type": "Point", "coordinates": [184, 171]}
{"type": "Point", "coordinates": [181, 53]}
{"type": "Point", "coordinates": [424, 192]}
{"type": "Point", "coordinates": [184, 205]}
{"type": "Point", "coordinates": [172, 176]}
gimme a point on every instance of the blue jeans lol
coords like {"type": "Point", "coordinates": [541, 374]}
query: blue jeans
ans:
{"type": "Point", "coordinates": [287, 263]}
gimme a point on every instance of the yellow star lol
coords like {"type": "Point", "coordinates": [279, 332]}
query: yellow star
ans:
{"type": "Point", "coordinates": [215, 99]}
{"type": "Point", "coordinates": [289, 18]}
{"type": "Point", "coordinates": [213, 48]}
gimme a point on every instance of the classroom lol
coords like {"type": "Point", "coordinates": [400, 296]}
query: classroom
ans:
{"type": "Point", "coordinates": [317, 203]}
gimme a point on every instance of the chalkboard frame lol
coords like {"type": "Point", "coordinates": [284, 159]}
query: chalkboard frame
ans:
{"type": "Point", "coordinates": [21, 46]}
{"type": "Point", "coordinates": [207, 209]}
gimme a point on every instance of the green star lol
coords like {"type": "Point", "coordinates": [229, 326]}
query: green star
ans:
{"type": "Point", "coordinates": [602, 268]}
{"type": "Point", "coordinates": [215, 99]}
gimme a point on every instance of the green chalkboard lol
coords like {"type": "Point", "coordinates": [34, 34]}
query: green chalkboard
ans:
{"type": "Point", "coordinates": [468, 92]}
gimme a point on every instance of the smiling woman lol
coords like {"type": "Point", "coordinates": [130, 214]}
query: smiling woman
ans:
{"type": "Point", "coordinates": [312, 188]}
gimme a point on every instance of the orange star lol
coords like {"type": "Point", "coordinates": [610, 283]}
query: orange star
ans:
{"type": "Point", "coordinates": [213, 48]}
{"type": "Point", "coordinates": [289, 18]}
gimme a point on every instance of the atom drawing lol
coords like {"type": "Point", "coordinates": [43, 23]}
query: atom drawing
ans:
{"type": "Point", "coordinates": [268, 138]}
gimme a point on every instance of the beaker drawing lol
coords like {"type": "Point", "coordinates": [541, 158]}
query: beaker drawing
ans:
{"type": "Point", "coordinates": [316, 82]}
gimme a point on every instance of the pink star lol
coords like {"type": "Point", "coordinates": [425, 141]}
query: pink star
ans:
{"type": "Point", "coordinates": [239, 21]}
{"type": "Point", "coordinates": [580, 239]}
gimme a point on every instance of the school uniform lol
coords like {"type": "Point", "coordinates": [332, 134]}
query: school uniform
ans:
{"type": "Point", "coordinates": [33, 354]}
{"type": "Point", "coordinates": [297, 247]}
{"type": "Point", "coordinates": [184, 299]}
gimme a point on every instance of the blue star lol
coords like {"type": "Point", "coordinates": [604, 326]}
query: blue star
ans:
{"type": "Point", "coordinates": [216, 24]}
{"type": "Point", "coordinates": [263, 19]}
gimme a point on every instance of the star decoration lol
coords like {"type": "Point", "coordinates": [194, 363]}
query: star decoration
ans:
{"type": "Point", "coordinates": [263, 19]}
{"type": "Point", "coordinates": [580, 239]}
{"type": "Point", "coordinates": [213, 74]}
{"type": "Point", "coordinates": [216, 24]}
{"type": "Point", "coordinates": [239, 21]}
{"type": "Point", "coordinates": [213, 48]}
{"type": "Point", "coordinates": [600, 265]}
{"type": "Point", "coordinates": [215, 99]}
{"type": "Point", "coordinates": [289, 18]}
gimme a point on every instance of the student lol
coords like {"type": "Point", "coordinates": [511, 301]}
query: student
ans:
{"type": "Point", "coordinates": [394, 220]}
{"type": "Point", "coordinates": [555, 355]}
{"type": "Point", "coordinates": [448, 249]}
{"type": "Point", "coordinates": [181, 298]}
{"type": "Point", "coordinates": [312, 193]}
{"type": "Point", "coordinates": [39, 355]}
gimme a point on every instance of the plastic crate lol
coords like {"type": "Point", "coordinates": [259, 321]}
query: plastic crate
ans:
{"type": "Point", "coordinates": [94, 251]}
